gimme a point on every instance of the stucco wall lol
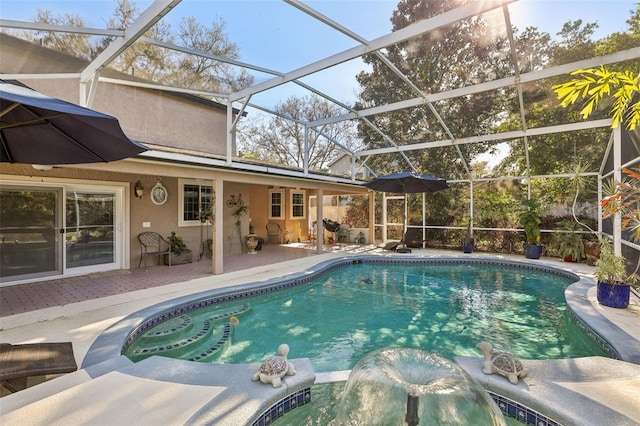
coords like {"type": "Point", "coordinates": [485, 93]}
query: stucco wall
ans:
{"type": "Point", "coordinates": [145, 115]}
{"type": "Point", "coordinates": [149, 116]}
{"type": "Point", "coordinates": [164, 119]}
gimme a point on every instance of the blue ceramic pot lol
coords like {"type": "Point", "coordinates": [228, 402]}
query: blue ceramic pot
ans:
{"type": "Point", "coordinates": [614, 296]}
{"type": "Point", "coordinates": [467, 245]}
{"type": "Point", "coordinates": [532, 251]}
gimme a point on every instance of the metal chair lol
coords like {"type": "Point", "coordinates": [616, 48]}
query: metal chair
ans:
{"type": "Point", "coordinates": [151, 244]}
{"type": "Point", "coordinates": [313, 234]}
{"type": "Point", "coordinates": [274, 231]}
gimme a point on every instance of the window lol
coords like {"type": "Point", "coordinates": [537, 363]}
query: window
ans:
{"type": "Point", "coordinates": [196, 199]}
{"type": "Point", "coordinates": [297, 204]}
{"type": "Point", "coordinates": [276, 204]}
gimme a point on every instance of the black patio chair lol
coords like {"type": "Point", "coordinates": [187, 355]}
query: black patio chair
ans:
{"type": "Point", "coordinates": [412, 238]}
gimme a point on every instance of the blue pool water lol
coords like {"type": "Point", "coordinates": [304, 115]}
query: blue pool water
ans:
{"type": "Point", "coordinates": [323, 408]}
{"type": "Point", "coordinates": [351, 310]}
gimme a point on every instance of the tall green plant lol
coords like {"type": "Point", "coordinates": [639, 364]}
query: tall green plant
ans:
{"type": "Point", "coordinates": [611, 268]}
{"type": "Point", "coordinates": [530, 220]}
{"type": "Point", "coordinates": [238, 213]}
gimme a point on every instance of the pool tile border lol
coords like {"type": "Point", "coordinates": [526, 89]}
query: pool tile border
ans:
{"type": "Point", "coordinates": [280, 408]}
{"type": "Point", "coordinates": [522, 413]}
{"type": "Point", "coordinates": [600, 341]}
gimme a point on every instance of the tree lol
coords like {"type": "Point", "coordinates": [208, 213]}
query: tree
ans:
{"type": "Point", "coordinates": [606, 84]}
{"type": "Point", "coordinates": [280, 138]}
{"type": "Point", "coordinates": [595, 84]}
{"type": "Point", "coordinates": [152, 62]}
{"type": "Point", "coordinates": [558, 152]}
{"type": "Point", "coordinates": [73, 44]}
{"type": "Point", "coordinates": [141, 59]}
{"type": "Point", "coordinates": [473, 53]}
{"type": "Point", "coordinates": [198, 72]}
{"type": "Point", "coordinates": [622, 88]}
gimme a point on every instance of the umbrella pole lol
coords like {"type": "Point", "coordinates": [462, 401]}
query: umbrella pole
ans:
{"type": "Point", "coordinates": [404, 223]}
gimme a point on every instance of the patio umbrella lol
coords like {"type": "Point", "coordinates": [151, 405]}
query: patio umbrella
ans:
{"type": "Point", "coordinates": [407, 183]}
{"type": "Point", "coordinates": [37, 129]}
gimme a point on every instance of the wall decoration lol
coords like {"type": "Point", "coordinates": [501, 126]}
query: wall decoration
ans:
{"type": "Point", "coordinates": [159, 194]}
{"type": "Point", "coordinates": [233, 201]}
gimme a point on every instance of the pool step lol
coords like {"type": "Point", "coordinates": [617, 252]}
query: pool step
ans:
{"type": "Point", "coordinates": [200, 344]}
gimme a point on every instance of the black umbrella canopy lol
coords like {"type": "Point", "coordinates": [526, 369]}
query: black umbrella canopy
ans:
{"type": "Point", "coordinates": [37, 129]}
{"type": "Point", "coordinates": [407, 182]}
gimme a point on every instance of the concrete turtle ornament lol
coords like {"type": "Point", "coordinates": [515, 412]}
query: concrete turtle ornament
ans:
{"type": "Point", "coordinates": [502, 363]}
{"type": "Point", "coordinates": [275, 368]}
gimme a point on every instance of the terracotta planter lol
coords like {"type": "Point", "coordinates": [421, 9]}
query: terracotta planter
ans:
{"type": "Point", "coordinates": [614, 296]}
{"type": "Point", "coordinates": [532, 251]}
{"type": "Point", "coordinates": [591, 251]}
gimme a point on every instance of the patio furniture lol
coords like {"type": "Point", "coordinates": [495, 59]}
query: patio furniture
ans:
{"type": "Point", "coordinates": [313, 234]}
{"type": "Point", "coordinates": [412, 238]}
{"type": "Point", "coordinates": [274, 232]}
{"type": "Point", "coordinates": [343, 233]}
{"type": "Point", "coordinates": [153, 244]}
{"type": "Point", "coordinates": [18, 362]}
{"type": "Point", "coordinates": [331, 226]}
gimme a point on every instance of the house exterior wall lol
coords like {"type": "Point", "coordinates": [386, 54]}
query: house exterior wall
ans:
{"type": "Point", "coordinates": [145, 115]}
{"type": "Point", "coordinates": [150, 117]}
{"type": "Point", "coordinates": [161, 119]}
{"type": "Point", "coordinates": [342, 167]}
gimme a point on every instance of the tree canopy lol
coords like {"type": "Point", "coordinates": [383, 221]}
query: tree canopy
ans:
{"type": "Point", "coordinates": [281, 138]}
{"type": "Point", "coordinates": [149, 61]}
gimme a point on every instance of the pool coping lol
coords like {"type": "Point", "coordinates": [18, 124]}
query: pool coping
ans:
{"type": "Point", "coordinates": [105, 357]}
{"type": "Point", "coordinates": [553, 388]}
{"type": "Point", "coordinates": [617, 343]}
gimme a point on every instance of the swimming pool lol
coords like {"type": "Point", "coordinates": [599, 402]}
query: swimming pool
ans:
{"type": "Point", "coordinates": [352, 307]}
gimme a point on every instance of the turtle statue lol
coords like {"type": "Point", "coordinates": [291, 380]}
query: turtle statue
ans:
{"type": "Point", "coordinates": [275, 368]}
{"type": "Point", "coordinates": [501, 363]}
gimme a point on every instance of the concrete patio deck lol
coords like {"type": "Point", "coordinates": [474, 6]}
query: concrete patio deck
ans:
{"type": "Point", "coordinates": [124, 392]}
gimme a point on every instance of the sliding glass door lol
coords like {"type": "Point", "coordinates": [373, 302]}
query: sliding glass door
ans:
{"type": "Point", "coordinates": [60, 229]}
{"type": "Point", "coordinates": [29, 232]}
{"type": "Point", "coordinates": [89, 228]}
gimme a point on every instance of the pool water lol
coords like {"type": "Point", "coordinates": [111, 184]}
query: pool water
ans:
{"type": "Point", "coordinates": [351, 310]}
{"type": "Point", "coordinates": [324, 406]}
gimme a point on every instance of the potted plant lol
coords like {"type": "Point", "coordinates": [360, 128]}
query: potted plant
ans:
{"type": "Point", "coordinates": [614, 284]}
{"type": "Point", "coordinates": [467, 240]}
{"type": "Point", "coordinates": [589, 247]}
{"type": "Point", "coordinates": [238, 213]}
{"type": "Point", "coordinates": [530, 220]}
{"type": "Point", "coordinates": [206, 215]}
{"type": "Point", "coordinates": [179, 252]}
{"type": "Point", "coordinates": [569, 244]}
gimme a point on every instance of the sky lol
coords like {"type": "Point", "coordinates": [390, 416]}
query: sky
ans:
{"type": "Point", "coordinates": [277, 36]}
